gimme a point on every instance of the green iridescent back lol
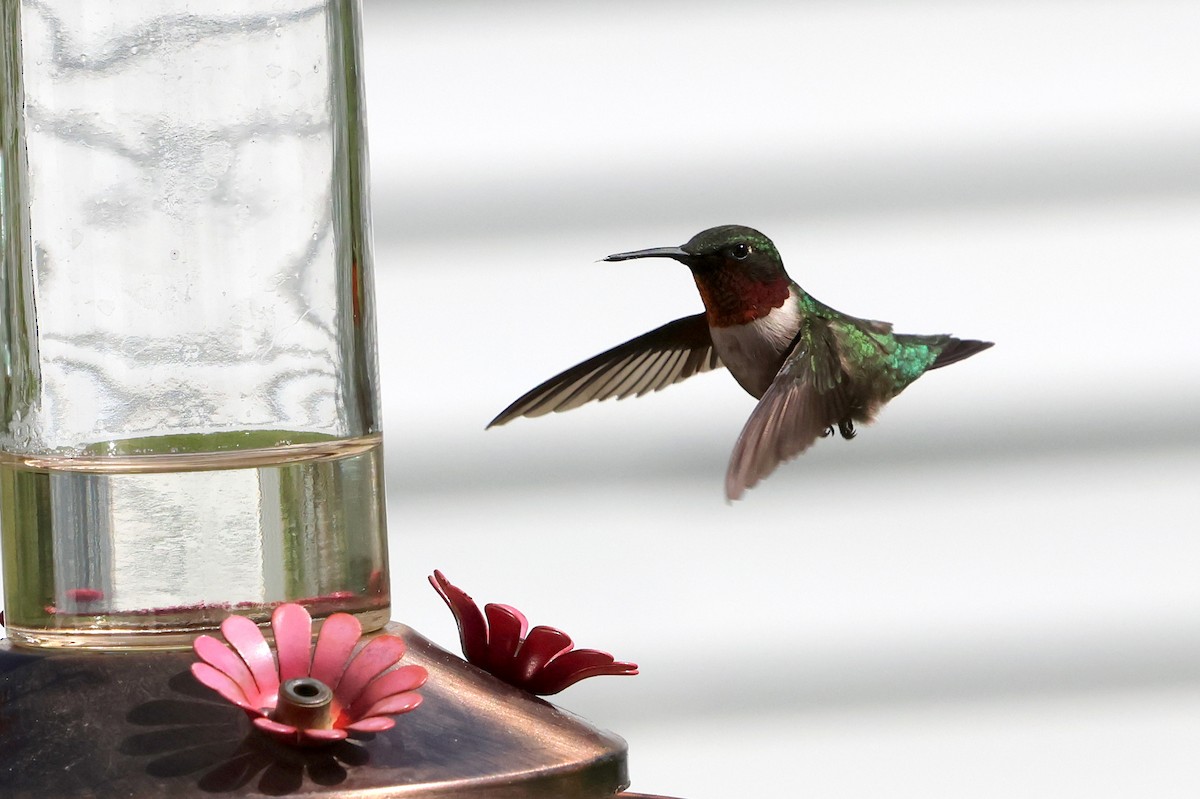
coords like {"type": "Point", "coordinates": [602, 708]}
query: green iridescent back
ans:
{"type": "Point", "coordinates": [878, 361]}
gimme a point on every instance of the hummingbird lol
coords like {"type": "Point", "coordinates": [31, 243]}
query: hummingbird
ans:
{"type": "Point", "coordinates": [811, 368]}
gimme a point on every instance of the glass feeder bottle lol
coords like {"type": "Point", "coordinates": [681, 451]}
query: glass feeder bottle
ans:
{"type": "Point", "coordinates": [188, 385]}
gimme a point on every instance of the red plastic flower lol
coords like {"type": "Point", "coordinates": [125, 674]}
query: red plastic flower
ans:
{"type": "Point", "coordinates": [357, 692]}
{"type": "Point", "coordinates": [544, 661]}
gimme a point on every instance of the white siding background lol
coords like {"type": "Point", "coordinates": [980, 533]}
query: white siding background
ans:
{"type": "Point", "coordinates": [993, 592]}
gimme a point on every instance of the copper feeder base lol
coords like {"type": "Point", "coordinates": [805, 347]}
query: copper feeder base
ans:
{"type": "Point", "coordinates": [84, 724]}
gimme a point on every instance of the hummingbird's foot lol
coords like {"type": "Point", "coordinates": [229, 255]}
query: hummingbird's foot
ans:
{"type": "Point", "coordinates": [827, 432]}
{"type": "Point", "coordinates": [846, 428]}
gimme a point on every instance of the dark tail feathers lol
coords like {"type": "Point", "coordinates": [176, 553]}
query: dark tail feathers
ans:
{"type": "Point", "coordinates": [957, 349]}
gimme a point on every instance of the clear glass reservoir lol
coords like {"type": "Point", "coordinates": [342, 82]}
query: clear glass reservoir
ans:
{"type": "Point", "coordinates": [188, 409]}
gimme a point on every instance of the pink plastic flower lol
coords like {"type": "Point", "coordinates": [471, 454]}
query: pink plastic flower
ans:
{"type": "Point", "coordinates": [366, 690]}
{"type": "Point", "coordinates": [544, 661]}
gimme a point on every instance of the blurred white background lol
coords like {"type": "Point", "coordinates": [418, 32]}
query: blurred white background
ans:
{"type": "Point", "coordinates": [993, 592]}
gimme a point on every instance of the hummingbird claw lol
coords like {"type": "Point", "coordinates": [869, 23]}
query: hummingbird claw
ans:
{"type": "Point", "coordinates": [846, 428]}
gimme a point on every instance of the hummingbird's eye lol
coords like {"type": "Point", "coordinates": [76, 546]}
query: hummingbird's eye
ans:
{"type": "Point", "coordinates": [740, 251]}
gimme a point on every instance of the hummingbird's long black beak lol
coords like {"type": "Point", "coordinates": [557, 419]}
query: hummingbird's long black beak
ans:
{"type": "Point", "coordinates": [657, 252]}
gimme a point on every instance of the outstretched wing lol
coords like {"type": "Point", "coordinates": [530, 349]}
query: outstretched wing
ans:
{"type": "Point", "coordinates": [650, 362]}
{"type": "Point", "coordinates": [809, 395]}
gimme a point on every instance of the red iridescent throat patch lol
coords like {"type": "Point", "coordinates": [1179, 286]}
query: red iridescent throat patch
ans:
{"type": "Point", "coordinates": [734, 298]}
